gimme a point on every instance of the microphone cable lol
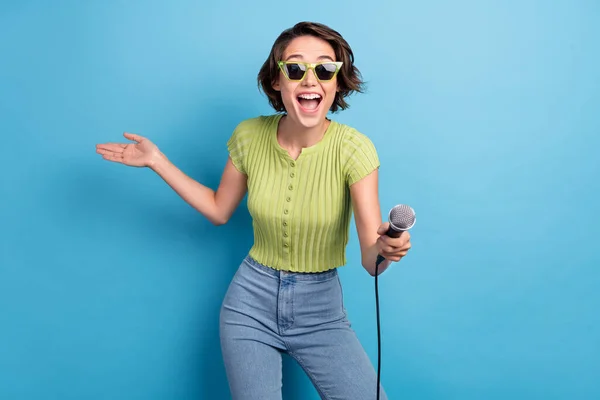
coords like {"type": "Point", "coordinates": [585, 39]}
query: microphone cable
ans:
{"type": "Point", "coordinates": [401, 218]}
{"type": "Point", "coordinates": [379, 260]}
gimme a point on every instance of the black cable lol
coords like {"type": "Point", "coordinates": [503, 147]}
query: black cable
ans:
{"type": "Point", "coordinates": [379, 260]}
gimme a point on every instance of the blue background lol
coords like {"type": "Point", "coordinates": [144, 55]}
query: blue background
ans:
{"type": "Point", "coordinates": [486, 116]}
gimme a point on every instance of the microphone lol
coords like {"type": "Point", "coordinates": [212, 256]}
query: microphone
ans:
{"type": "Point", "coordinates": [401, 218]}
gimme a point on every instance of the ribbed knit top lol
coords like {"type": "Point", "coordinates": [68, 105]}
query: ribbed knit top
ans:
{"type": "Point", "coordinates": [301, 209]}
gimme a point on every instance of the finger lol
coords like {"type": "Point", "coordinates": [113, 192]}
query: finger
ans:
{"type": "Point", "coordinates": [396, 256]}
{"type": "Point", "coordinates": [392, 257]}
{"type": "Point", "coordinates": [109, 152]}
{"type": "Point", "coordinates": [114, 147]}
{"type": "Point", "coordinates": [400, 250]}
{"type": "Point", "coordinates": [133, 136]}
{"type": "Point", "coordinates": [393, 242]}
{"type": "Point", "coordinates": [392, 249]}
{"type": "Point", "coordinates": [401, 241]}
{"type": "Point", "coordinates": [113, 158]}
{"type": "Point", "coordinates": [383, 228]}
{"type": "Point", "coordinates": [388, 241]}
{"type": "Point", "coordinates": [400, 254]}
{"type": "Point", "coordinates": [386, 249]}
{"type": "Point", "coordinates": [401, 244]}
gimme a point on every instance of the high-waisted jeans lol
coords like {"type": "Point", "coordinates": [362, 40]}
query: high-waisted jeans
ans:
{"type": "Point", "coordinates": [266, 312]}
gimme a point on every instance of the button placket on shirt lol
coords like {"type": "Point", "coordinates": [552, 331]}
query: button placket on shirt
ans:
{"type": "Point", "coordinates": [289, 197]}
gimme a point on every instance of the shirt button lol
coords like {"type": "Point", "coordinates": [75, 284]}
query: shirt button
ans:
{"type": "Point", "coordinates": [288, 199]}
{"type": "Point", "coordinates": [285, 212]}
{"type": "Point", "coordinates": [285, 234]}
{"type": "Point", "coordinates": [284, 223]}
{"type": "Point", "coordinates": [292, 175]}
{"type": "Point", "coordinates": [291, 187]}
{"type": "Point", "coordinates": [286, 245]}
{"type": "Point", "coordinates": [293, 164]}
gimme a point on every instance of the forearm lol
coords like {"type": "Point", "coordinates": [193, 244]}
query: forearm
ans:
{"type": "Point", "coordinates": [200, 197]}
{"type": "Point", "coordinates": [369, 260]}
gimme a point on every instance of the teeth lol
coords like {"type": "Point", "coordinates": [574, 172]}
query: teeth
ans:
{"type": "Point", "coordinates": [310, 96]}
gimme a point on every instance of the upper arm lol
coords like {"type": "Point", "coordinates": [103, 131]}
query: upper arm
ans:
{"type": "Point", "coordinates": [234, 181]}
{"type": "Point", "coordinates": [362, 176]}
{"type": "Point", "coordinates": [366, 208]}
{"type": "Point", "coordinates": [231, 190]}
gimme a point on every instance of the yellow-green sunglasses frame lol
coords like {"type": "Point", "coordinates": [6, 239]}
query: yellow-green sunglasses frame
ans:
{"type": "Point", "coordinates": [309, 66]}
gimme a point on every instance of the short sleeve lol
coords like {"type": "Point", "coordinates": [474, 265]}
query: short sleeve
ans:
{"type": "Point", "coordinates": [238, 145]}
{"type": "Point", "coordinates": [362, 158]}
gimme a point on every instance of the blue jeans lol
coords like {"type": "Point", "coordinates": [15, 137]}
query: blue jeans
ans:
{"type": "Point", "coordinates": [266, 312]}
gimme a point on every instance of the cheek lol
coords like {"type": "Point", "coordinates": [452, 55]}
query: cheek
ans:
{"type": "Point", "coordinates": [330, 87]}
{"type": "Point", "coordinates": [287, 92]}
{"type": "Point", "coordinates": [331, 90]}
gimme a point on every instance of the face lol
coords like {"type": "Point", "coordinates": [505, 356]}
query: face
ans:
{"type": "Point", "coordinates": [307, 101]}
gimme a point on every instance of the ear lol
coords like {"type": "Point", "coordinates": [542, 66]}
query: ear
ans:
{"type": "Point", "coordinates": [275, 85]}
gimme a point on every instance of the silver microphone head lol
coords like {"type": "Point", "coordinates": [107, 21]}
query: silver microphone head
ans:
{"type": "Point", "coordinates": [402, 217]}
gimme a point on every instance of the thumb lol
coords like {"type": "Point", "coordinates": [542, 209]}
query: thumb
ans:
{"type": "Point", "coordinates": [383, 228]}
{"type": "Point", "coordinates": [133, 136]}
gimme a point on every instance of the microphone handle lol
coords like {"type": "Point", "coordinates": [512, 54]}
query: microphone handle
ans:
{"type": "Point", "coordinates": [391, 232]}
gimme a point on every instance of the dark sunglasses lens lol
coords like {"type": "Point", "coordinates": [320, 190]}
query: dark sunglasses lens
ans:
{"type": "Point", "coordinates": [325, 71]}
{"type": "Point", "coordinates": [295, 71]}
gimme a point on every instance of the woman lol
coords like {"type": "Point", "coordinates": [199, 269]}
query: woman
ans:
{"type": "Point", "coordinates": [304, 174]}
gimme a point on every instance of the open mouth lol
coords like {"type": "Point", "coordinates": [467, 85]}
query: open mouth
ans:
{"type": "Point", "coordinates": [309, 101]}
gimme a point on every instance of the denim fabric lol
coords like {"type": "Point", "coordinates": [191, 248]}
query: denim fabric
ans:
{"type": "Point", "coordinates": [266, 312]}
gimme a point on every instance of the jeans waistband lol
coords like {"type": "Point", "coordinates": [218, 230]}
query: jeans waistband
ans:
{"type": "Point", "coordinates": [298, 276]}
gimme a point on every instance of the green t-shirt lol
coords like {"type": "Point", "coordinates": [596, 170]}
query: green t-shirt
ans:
{"type": "Point", "coordinates": [301, 209]}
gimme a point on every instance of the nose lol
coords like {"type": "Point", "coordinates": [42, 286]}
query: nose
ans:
{"type": "Point", "coordinates": [310, 79]}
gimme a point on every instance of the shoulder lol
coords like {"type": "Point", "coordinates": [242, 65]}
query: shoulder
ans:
{"type": "Point", "coordinates": [255, 125]}
{"type": "Point", "coordinates": [354, 142]}
{"type": "Point", "coordinates": [358, 152]}
{"type": "Point", "coordinates": [247, 130]}
{"type": "Point", "coordinates": [243, 139]}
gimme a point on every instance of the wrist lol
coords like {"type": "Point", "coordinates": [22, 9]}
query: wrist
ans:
{"type": "Point", "coordinates": [157, 161]}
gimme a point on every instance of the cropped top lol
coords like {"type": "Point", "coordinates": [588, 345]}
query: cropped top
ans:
{"type": "Point", "coordinates": [301, 209]}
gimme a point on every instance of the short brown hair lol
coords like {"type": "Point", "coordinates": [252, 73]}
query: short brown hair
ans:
{"type": "Point", "coordinates": [349, 77]}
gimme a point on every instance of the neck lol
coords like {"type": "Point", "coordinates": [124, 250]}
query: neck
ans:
{"type": "Point", "coordinates": [294, 137]}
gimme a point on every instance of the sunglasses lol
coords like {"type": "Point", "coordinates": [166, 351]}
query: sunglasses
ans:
{"type": "Point", "coordinates": [296, 70]}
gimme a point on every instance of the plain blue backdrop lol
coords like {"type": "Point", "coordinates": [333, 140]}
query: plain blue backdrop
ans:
{"type": "Point", "coordinates": [486, 116]}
